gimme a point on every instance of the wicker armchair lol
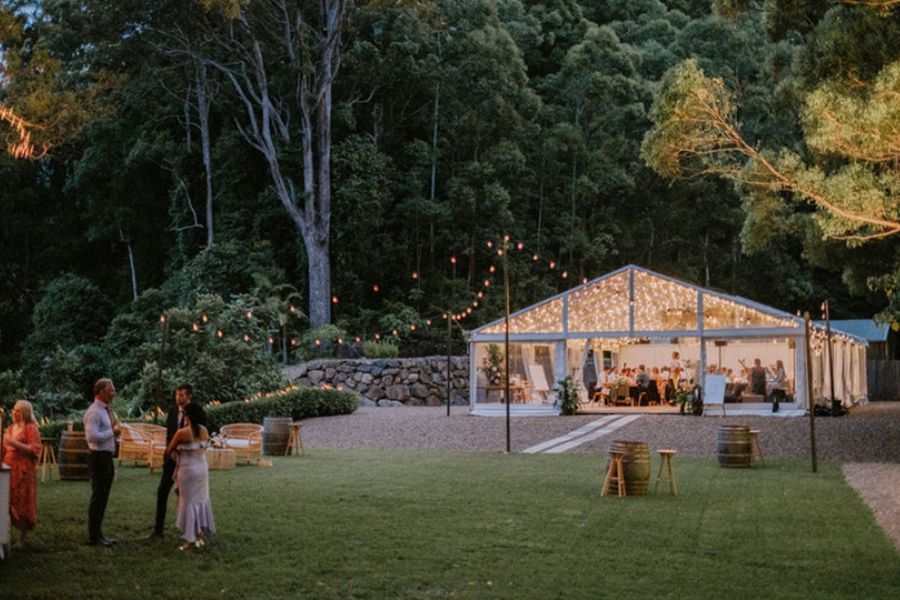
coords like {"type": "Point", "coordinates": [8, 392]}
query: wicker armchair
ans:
{"type": "Point", "coordinates": [245, 439]}
{"type": "Point", "coordinates": [140, 442]}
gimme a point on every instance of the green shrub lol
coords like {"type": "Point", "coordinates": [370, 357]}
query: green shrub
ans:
{"type": "Point", "coordinates": [71, 312]}
{"type": "Point", "coordinates": [297, 403]}
{"type": "Point", "coordinates": [380, 350]}
{"type": "Point", "coordinates": [54, 429]}
{"type": "Point", "coordinates": [11, 389]}
{"type": "Point", "coordinates": [567, 395]}
{"type": "Point", "coordinates": [327, 335]}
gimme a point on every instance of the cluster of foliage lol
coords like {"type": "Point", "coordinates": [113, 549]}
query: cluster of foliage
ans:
{"type": "Point", "coordinates": [494, 364]}
{"type": "Point", "coordinates": [833, 180]}
{"type": "Point", "coordinates": [567, 395]}
{"type": "Point", "coordinates": [178, 184]}
{"type": "Point", "coordinates": [297, 403]}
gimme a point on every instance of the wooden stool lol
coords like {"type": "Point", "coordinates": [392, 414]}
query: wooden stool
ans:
{"type": "Point", "coordinates": [755, 450]}
{"type": "Point", "coordinates": [295, 443]}
{"type": "Point", "coordinates": [615, 471]}
{"type": "Point", "coordinates": [47, 459]}
{"type": "Point", "coordinates": [665, 456]}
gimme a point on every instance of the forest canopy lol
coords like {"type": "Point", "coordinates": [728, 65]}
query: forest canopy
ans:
{"type": "Point", "coordinates": [335, 171]}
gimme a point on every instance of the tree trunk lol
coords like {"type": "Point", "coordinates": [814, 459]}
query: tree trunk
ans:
{"type": "Point", "coordinates": [203, 102]}
{"type": "Point", "coordinates": [319, 270]}
{"type": "Point", "coordinates": [134, 285]}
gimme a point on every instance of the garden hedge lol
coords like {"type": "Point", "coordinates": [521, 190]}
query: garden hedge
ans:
{"type": "Point", "coordinates": [297, 403]}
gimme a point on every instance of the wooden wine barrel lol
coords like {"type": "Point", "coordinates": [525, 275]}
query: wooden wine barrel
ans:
{"type": "Point", "coordinates": [635, 464]}
{"type": "Point", "coordinates": [733, 447]}
{"type": "Point", "coordinates": [73, 456]}
{"type": "Point", "coordinates": [276, 434]}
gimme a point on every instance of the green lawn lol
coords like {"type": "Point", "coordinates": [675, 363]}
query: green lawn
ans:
{"type": "Point", "coordinates": [390, 524]}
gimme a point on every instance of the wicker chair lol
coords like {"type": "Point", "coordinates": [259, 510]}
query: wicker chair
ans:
{"type": "Point", "coordinates": [139, 441]}
{"type": "Point", "coordinates": [245, 439]}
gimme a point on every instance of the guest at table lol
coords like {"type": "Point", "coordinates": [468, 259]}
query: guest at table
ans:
{"type": "Point", "coordinates": [777, 384]}
{"type": "Point", "coordinates": [758, 378]}
{"type": "Point", "coordinates": [660, 380]}
{"type": "Point", "coordinates": [21, 448]}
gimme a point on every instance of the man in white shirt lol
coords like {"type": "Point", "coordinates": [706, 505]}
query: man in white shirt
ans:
{"type": "Point", "coordinates": [100, 433]}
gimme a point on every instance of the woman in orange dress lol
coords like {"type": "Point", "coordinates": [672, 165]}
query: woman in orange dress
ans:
{"type": "Point", "coordinates": [21, 448]}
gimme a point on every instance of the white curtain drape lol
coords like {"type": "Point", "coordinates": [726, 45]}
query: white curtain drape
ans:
{"type": "Point", "coordinates": [527, 359]}
{"type": "Point", "coordinates": [576, 356]}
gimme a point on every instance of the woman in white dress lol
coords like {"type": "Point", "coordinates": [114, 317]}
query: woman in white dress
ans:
{"type": "Point", "coordinates": [188, 447]}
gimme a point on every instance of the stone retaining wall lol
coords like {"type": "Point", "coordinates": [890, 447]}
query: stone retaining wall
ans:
{"type": "Point", "coordinates": [389, 381]}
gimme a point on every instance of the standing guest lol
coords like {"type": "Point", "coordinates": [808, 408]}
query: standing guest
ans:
{"type": "Point", "coordinates": [676, 368]}
{"type": "Point", "coordinates": [758, 378]}
{"type": "Point", "coordinates": [100, 433]}
{"type": "Point", "coordinates": [184, 393]}
{"type": "Point", "coordinates": [195, 516]}
{"type": "Point", "coordinates": [21, 448]}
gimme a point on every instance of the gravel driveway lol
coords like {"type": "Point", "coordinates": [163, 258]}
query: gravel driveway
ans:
{"type": "Point", "coordinates": [867, 440]}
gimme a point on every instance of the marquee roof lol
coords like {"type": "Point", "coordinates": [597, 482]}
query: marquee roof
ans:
{"type": "Point", "coordinates": [634, 302]}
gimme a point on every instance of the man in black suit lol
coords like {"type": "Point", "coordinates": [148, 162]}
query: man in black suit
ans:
{"type": "Point", "coordinates": [174, 421]}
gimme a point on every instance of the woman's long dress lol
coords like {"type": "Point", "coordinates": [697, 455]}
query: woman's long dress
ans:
{"type": "Point", "coordinates": [23, 477]}
{"type": "Point", "coordinates": [192, 478]}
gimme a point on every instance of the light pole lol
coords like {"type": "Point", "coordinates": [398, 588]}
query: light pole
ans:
{"type": "Point", "coordinates": [826, 314]}
{"type": "Point", "coordinates": [809, 391]}
{"type": "Point", "coordinates": [504, 252]}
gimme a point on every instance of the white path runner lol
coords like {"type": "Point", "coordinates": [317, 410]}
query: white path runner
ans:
{"type": "Point", "coordinates": [591, 431]}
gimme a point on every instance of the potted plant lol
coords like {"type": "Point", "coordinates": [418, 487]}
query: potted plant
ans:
{"type": "Point", "coordinates": [567, 395]}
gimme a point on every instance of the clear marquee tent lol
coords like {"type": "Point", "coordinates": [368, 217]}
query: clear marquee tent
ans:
{"type": "Point", "coordinates": [635, 316]}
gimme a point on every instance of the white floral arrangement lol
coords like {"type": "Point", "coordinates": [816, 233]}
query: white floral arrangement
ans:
{"type": "Point", "coordinates": [218, 441]}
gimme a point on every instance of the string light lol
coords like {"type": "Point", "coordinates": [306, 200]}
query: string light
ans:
{"type": "Point", "coordinates": [205, 319]}
{"type": "Point", "coordinates": [246, 338]}
{"type": "Point", "coordinates": [520, 246]}
{"type": "Point", "coordinates": [24, 148]}
{"type": "Point", "coordinates": [249, 314]}
{"type": "Point", "coordinates": [490, 244]}
{"type": "Point", "coordinates": [415, 275]}
{"type": "Point", "coordinates": [376, 288]}
{"type": "Point", "coordinates": [318, 342]}
{"type": "Point", "coordinates": [195, 327]}
{"type": "Point", "coordinates": [162, 319]}
{"type": "Point", "coordinates": [219, 333]}
{"type": "Point", "coordinates": [453, 260]}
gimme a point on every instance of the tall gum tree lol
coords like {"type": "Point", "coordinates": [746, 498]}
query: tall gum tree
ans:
{"type": "Point", "coordinates": [280, 58]}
